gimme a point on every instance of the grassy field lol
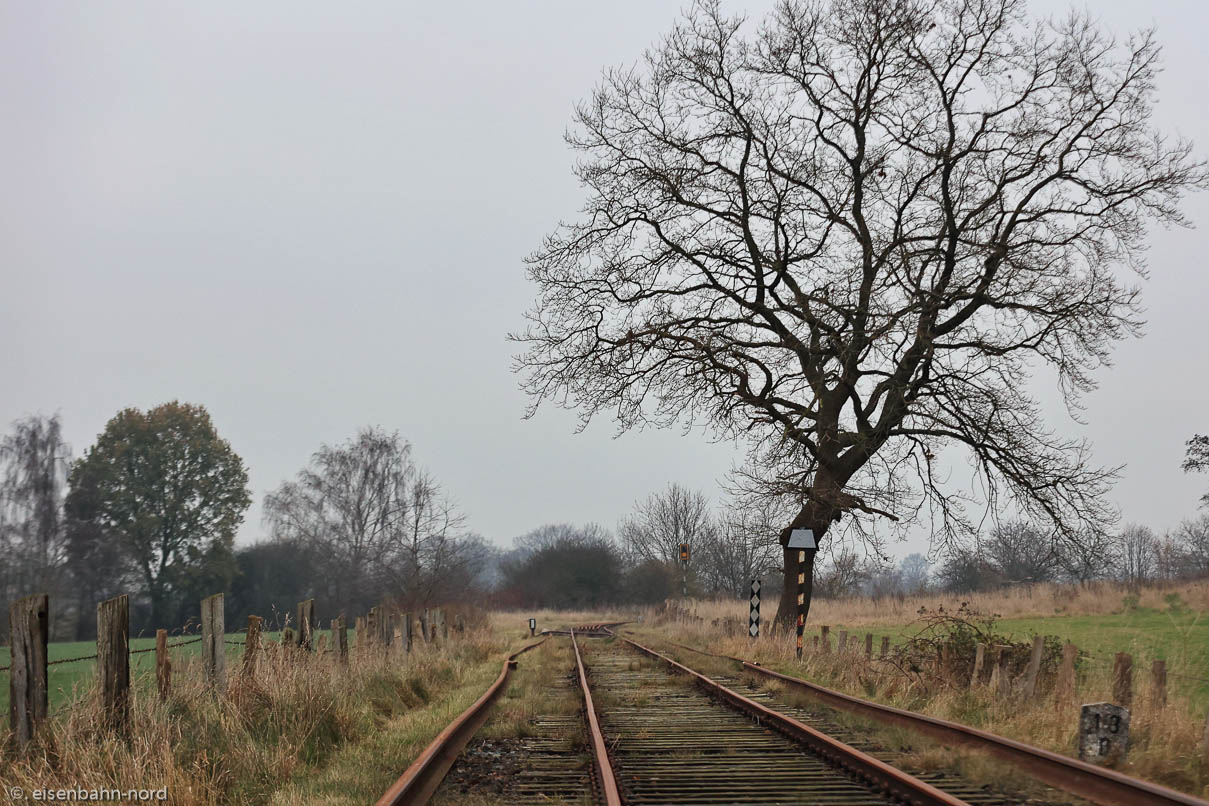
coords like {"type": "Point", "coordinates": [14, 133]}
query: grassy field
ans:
{"type": "Point", "coordinates": [1176, 635]}
{"type": "Point", "coordinates": [67, 682]}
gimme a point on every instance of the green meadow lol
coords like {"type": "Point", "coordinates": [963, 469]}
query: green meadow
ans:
{"type": "Point", "coordinates": [67, 681]}
{"type": "Point", "coordinates": [1176, 634]}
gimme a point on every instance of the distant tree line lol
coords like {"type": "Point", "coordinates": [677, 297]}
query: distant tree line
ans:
{"type": "Point", "coordinates": [563, 565]}
{"type": "Point", "coordinates": [152, 508]}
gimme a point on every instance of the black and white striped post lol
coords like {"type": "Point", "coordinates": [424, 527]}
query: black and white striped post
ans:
{"type": "Point", "coordinates": [802, 540]}
{"type": "Point", "coordinates": [753, 618]}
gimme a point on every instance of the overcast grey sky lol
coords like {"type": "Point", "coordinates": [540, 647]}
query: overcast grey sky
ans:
{"type": "Point", "coordinates": [310, 217]}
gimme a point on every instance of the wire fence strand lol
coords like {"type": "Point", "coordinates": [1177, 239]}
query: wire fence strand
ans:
{"type": "Point", "coordinates": [132, 652]}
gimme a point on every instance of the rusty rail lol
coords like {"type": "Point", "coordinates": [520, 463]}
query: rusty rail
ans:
{"type": "Point", "coordinates": [600, 755]}
{"type": "Point", "coordinates": [1104, 786]}
{"type": "Point", "coordinates": [1097, 784]}
{"type": "Point", "coordinates": [418, 783]}
{"type": "Point", "coordinates": [879, 775]}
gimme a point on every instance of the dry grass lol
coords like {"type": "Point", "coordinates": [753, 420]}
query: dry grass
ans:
{"type": "Point", "coordinates": [1167, 742]}
{"type": "Point", "coordinates": [292, 716]}
{"type": "Point", "coordinates": [298, 729]}
{"type": "Point", "coordinates": [1043, 600]}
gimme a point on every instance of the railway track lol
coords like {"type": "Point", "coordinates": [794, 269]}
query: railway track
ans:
{"type": "Point", "coordinates": [673, 742]}
{"type": "Point", "coordinates": [659, 732]}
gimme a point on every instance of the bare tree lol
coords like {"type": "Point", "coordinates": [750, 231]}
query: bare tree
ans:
{"type": "Point", "coordinates": [743, 547]}
{"type": "Point", "coordinates": [844, 575]}
{"type": "Point", "coordinates": [1023, 551]}
{"type": "Point", "coordinates": [1184, 553]}
{"type": "Point", "coordinates": [34, 463]}
{"type": "Point", "coordinates": [433, 553]}
{"type": "Point", "coordinates": [1093, 555]}
{"type": "Point", "coordinates": [381, 523]}
{"type": "Point", "coordinates": [851, 236]}
{"type": "Point", "coordinates": [664, 520]}
{"type": "Point", "coordinates": [916, 571]}
{"type": "Point", "coordinates": [1138, 550]}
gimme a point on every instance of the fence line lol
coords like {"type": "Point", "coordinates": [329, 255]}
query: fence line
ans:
{"type": "Point", "coordinates": [28, 624]}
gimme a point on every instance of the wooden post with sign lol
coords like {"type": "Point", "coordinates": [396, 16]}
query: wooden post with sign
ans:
{"type": "Point", "coordinates": [803, 541]}
{"type": "Point", "coordinates": [532, 627]}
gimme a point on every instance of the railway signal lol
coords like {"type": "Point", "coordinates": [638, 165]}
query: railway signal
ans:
{"type": "Point", "coordinates": [684, 555]}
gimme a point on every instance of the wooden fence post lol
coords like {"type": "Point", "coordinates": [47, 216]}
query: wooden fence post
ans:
{"type": "Point", "coordinates": [306, 624]}
{"type": "Point", "coordinates": [408, 632]}
{"type": "Point", "coordinates": [824, 639]}
{"type": "Point", "coordinates": [843, 644]}
{"type": "Point", "coordinates": [980, 651]}
{"type": "Point", "coordinates": [459, 623]}
{"type": "Point", "coordinates": [1064, 690]}
{"type": "Point", "coordinates": [28, 631]}
{"type": "Point", "coordinates": [1034, 666]}
{"type": "Point", "coordinates": [868, 646]}
{"type": "Point", "coordinates": [885, 646]}
{"type": "Point", "coordinates": [214, 655]}
{"type": "Point", "coordinates": [340, 639]}
{"type": "Point", "coordinates": [1122, 679]}
{"type": "Point", "coordinates": [251, 643]}
{"type": "Point", "coordinates": [444, 626]}
{"type": "Point", "coordinates": [113, 660]}
{"type": "Point", "coordinates": [371, 627]}
{"type": "Point", "coordinates": [359, 628]}
{"type": "Point", "coordinates": [814, 641]}
{"type": "Point", "coordinates": [163, 664]}
{"type": "Point", "coordinates": [1000, 679]}
{"type": "Point", "coordinates": [1158, 683]}
{"type": "Point", "coordinates": [424, 625]}
{"type": "Point", "coordinates": [384, 633]}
